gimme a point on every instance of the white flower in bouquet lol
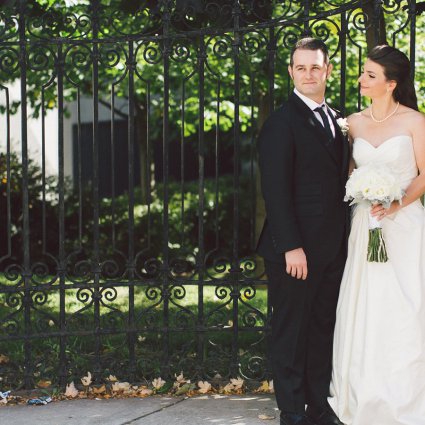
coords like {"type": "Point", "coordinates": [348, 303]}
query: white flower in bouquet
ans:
{"type": "Point", "coordinates": [374, 184]}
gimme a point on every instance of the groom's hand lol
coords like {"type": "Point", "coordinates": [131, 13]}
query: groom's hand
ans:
{"type": "Point", "coordinates": [296, 263]}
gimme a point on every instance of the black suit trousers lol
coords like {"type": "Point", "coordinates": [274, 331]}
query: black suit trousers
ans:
{"type": "Point", "coordinates": [303, 321]}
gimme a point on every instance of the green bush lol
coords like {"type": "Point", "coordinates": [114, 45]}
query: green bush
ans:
{"type": "Point", "coordinates": [117, 235]}
{"type": "Point", "coordinates": [11, 207]}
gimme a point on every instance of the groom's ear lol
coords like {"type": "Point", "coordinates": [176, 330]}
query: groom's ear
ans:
{"type": "Point", "coordinates": [290, 71]}
{"type": "Point", "coordinates": [329, 70]}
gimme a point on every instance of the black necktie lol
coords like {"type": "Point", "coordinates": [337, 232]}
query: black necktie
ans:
{"type": "Point", "coordinates": [325, 121]}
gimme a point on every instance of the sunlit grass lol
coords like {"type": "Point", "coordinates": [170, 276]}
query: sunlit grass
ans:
{"type": "Point", "coordinates": [174, 324]}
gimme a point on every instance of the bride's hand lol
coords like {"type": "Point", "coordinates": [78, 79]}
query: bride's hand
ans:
{"type": "Point", "coordinates": [379, 211]}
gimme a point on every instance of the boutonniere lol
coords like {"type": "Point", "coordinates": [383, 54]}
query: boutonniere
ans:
{"type": "Point", "coordinates": [343, 125]}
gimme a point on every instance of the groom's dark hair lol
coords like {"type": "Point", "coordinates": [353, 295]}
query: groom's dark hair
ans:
{"type": "Point", "coordinates": [309, 43]}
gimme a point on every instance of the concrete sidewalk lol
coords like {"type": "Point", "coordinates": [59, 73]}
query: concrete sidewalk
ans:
{"type": "Point", "coordinates": [155, 410]}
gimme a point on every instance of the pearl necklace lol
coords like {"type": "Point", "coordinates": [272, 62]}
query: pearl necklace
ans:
{"type": "Point", "coordinates": [388, 116]}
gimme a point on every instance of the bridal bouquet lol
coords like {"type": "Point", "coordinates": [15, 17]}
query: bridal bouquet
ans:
{"type": "Point", "coordinates": [374, 184]}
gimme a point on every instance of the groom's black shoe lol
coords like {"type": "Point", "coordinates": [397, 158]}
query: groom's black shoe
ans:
{"type": "Point", "coordinates": [287, 418]}
{"type": "Point", "coordinates": [323, 415]}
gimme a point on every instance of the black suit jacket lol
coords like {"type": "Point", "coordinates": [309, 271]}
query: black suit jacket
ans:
{"type": "Point", "coordinates": [303, 176]}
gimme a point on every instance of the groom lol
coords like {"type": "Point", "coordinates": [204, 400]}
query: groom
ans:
{"type": "Point", "coordinates": [303, 159]}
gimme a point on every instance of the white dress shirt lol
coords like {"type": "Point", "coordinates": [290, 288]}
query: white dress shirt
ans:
{"type": "Point", "coordinates": [313, 105]}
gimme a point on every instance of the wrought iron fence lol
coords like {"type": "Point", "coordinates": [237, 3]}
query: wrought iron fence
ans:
{"type": "Point", "coordinates": [136, 255]}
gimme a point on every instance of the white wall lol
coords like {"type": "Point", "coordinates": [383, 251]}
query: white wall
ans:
{"type": "Point", "coordinates": [34, 129]}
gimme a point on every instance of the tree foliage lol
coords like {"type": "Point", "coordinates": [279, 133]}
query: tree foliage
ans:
{"type": "Point", "coordinates": [136, 21]}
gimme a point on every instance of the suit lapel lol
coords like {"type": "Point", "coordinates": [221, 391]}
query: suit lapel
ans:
{"type": "Point", "coordinates": [343, 144]}
{"type": "Point", "coordinates": [316, 125]}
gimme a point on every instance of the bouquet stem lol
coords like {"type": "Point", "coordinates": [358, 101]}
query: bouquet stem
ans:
{"type": "Point", "coordinates": [376, 250]}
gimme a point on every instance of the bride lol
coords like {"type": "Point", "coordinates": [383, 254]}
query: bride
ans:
{"type": "Point", "coordinates": [378, 375]}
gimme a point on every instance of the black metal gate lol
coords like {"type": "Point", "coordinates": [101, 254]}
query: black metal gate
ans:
{"type": "Point", "coordinates": [135, 256]}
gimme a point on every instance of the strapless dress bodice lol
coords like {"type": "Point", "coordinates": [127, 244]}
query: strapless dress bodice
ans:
{"type": "Point", "coordinates": [396, 153]}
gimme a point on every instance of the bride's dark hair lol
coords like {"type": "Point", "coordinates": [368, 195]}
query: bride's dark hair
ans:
{"type": "Point", "coordinates": [396, 67]}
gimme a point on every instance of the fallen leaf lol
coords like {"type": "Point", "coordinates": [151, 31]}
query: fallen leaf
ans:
{"type": "Point", "coordinates": [228, 388]}
{"type": "Point", "coordinates": [185, 388]}
{"type": "Point", "coordinates": [121, 386]}
{"type": "Point", "coordinates": [100, 390]}
{"type": "Point", "coordinates": [158, 383]}
{"type": "Point", "coordinates": [4, 359]}
{"type": "Point", "coordinates": [265, 417]}
{"type": "Point", "coordinates": [204, 387]}
{"type": "Point", "coordinates": [266, 387]}
{"type": "Point", "coordinates": [146, 392]}
{"type": "Point", "coordinates": [237, 383]}
{"type": "Point", "coordinates": [180, 380]}
{"type": "Point", "coordinates": [112, 378]}
{"type": "Point", "coordinates": [44, 383]}
{"type": "Point", "coordinates": [71, 391]}
{"type": "Point", "coordinates": [86, 380]}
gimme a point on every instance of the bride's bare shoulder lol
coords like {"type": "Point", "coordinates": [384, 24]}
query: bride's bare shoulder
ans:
{"type": "Point", "coordinates": [355, 120]}
{"type": "Point", "coordinates": [354, 116]}
{"type": "Point", "coordinates": [413, 116]}
{"type": "Point", "coordinates": [415, 121]}
{"type": "Point", "coordinates": [357, 116]}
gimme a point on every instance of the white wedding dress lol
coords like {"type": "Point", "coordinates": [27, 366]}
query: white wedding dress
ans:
{"type": "Point", "coordinates": [378, 375]}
